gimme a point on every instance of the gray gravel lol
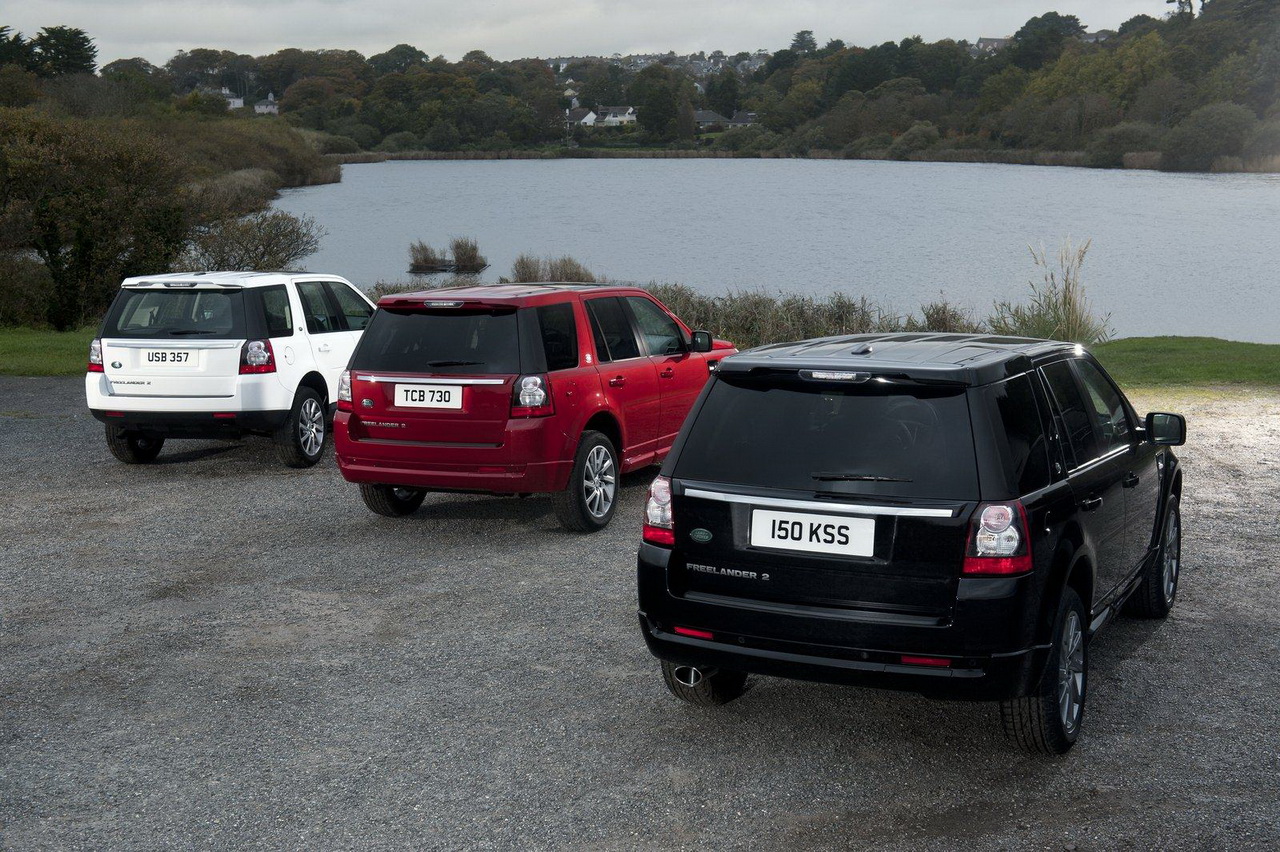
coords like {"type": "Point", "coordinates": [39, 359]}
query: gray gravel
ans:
{"type": "Point", "coordinates": [217, 652]}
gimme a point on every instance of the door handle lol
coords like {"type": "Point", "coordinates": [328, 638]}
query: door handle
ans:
{"type": "Point", "coordinates": [668, 373]}
{"type": "Point", "coordinates": [1130, 480]}
{"type": "Point", "coordinates": [1091, 504]}
{"type": "Point", "coordinates": [323, 347]}
{"type": "Point", "coordinates": [617, 381]}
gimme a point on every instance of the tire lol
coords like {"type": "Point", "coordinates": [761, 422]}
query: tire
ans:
{"type": "Point", "coordinates": [132, 447]}
{"type": "Point", "coordinates": [1158, 590]}
{"type": "Point", "coordinates": [300, 441]}
{"type": "Point", "coordinates": [587, 503]}
{"type": "Point", "coordinates": [1048, 720]}
{"type": "Point", "coordinates": [392, 501]}
{"type": "Point", "coordinates": [712, 690]}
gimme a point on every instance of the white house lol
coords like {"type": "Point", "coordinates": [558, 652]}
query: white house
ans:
{"type": "Point", "coordinates": [584, 117]}
{"type": "Point", "coordinates": [268, 106]}
{"type": "Point", "coordinates": [615, 116]}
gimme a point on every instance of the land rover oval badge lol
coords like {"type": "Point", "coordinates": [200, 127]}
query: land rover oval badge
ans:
{"type": "Point", "coordinates": [700, 535]}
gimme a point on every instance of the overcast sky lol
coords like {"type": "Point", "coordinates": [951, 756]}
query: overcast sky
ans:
{"type": "Point", "coordinates": [512, 29]}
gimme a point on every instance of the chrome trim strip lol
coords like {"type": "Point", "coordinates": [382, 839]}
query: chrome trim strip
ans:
{"type": "Point", "coordinates": [416, 381]}
{"type": "Point", "coordinates": [168, 396]}
{"type": "Point", "coordinates": [173, 344]}
{"type": "Point", "coordinates": [820, 506]}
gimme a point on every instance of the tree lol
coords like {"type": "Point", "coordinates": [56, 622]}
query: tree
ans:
{"type": "Point", "coordinates": [94, 206]}
{"type": "Point", "coordinates": [1041, 39]}
{"type": "Point", "coordinates": [724, 92]}
{"type": "Point", "coordinates": [402, 57]}
{"type": "Point", "coordinates": [686, 124]}
{"type": "Point", "coordinates": [1217, 130]}
{"type": "Point", "coordinates": [804, 42]}
{"type": "Point", "coordinates": [16, 50]}
{"type": "Point", "coordinates": [18, 88]}
{"type": "Point", "coordinates": [268, 239]}
{"type": "Point", "coordinates": [63, 50]}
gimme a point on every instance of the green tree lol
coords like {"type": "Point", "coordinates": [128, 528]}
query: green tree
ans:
{"type": "Point", "coordinates": [18, 87]}
{"type": "Point", "coordinates": [686, 124]}
{"type": "Point", "coordinates": [402, 57]}
{"type": "Point", "coordinates": [1217, 130]}
{"type": "Point", "coordinates": [1042, 38]}
{"type": "Point", "coordinates": [1109, 146]}
{"type": "Point", "coordinates": [724, 92]}
{"type": "Point", "coordinates": [16, 50]}
{"type": "Point", "coordinates": [94, 205]}
{"type": "Point", "coordinates": [804, 42]}
{"type": "Point", "coordinates": [63, 50]}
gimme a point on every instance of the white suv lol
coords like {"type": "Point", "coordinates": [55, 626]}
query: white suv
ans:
{"type": "Point", "coordinates": [221, 355]}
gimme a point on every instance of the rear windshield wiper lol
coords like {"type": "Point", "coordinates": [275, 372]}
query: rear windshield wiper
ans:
{"type": "Point", "coordinates": [191, 331]}
{"type": "Point", "coordinates": [452, 363]}
{"type": "Point", "coordinates": [855, 477]}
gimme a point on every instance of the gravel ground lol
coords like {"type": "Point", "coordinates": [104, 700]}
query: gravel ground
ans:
{"type": "Point", "coordinates": [217, 652]}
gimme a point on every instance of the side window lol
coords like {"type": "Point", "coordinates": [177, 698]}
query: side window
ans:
{"type": "Point", "coordinates": [1107, 405]}
{"type": "Point", "coordinates": [615, 341]}
{"type": "Point", "coordinates": [1026, 461]}
{"type": "Point", "coordinates": [559, 335]}
{"type": "Point", "coordinates": [1077, 415]}
{"type": "Point", "coordinates": [355, 310]}
{"type": "Point", "coordinates": [277, 311]}
{"type": "Point", "coordinates": [661, 334]}
{"type": "Point", "coordinates": [320, 317]}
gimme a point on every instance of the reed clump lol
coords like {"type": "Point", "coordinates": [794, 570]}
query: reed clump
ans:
{"type": "Point", "coordinates": [1058, 308]}
{"type": "Point", "coordinates": [424, 258]}
{"type": "Point", "coordinates": [466, 255]}
{"type": "Point", "coordinates": [530, 268]}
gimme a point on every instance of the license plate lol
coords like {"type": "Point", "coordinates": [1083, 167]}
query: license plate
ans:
{"type": "Point", "coordinates": [429, 396]}
{"type": "Point", "coordinates": [168, 358]}
{"type": "Point", "coordinates": [813, 533]}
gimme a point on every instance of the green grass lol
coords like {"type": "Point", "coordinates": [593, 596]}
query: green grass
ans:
{"type": "Point", "coordinates": [1198, 361]}
{"type": "Point", "coordinates": [32, 352]}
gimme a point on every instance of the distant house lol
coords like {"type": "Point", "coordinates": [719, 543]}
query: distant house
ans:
{"type": "Point", "coordinates": [708, 118]}
{"type": "Point", "coordinates": [268, 106]}
{"type": "Point", "coordinates": [742, 118]}
{"type": "Point", "coordinates": [1100, 35]}
{"type": "Point", "coordinates": [233, 101]}
{"type": "Point", "coordinates": [583, 116]}
{"type": "Point", "coordinates": [615, 116]}
{"type": "Point", "coordinates": [992, 45]}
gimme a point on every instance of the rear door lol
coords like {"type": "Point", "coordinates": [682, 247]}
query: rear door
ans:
{"type": "Point", "coordinates": [175, 341]}
{"type": "Point", "coordinates": [331, 342]}
{"type": "Point", "coordinates": [681, 373]}
{"type": "Point", "coordinates": [829, 495]}
{"type": "Point", "coordinates": [440, 377]}
{"type": "Point", "coordinates": [627, 377]}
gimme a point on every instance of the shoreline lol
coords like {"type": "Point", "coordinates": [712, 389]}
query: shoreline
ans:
{"type": "Point", "coordinates": [1138, 161]}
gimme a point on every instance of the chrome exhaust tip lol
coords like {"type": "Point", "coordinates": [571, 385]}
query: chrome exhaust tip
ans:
{"type": "Point", "coordinates": [691, 676]}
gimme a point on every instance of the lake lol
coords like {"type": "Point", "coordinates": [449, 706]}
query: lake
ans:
{"type": "Point", "coordinates": [1172, 253]}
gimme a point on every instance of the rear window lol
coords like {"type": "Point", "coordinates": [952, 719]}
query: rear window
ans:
{"type": "Point", "coordinates": [168, 314]}
{"type": "Point", "coordinates": [1020, 438]}
{"type": "Point", "coordinates": [829, 439]}
{"type": "Point", "coordinates": [456, 341]}
{"type": "Point", "coordinates": [559, 332]}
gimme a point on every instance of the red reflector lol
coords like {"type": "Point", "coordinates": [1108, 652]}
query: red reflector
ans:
{"type": "Point", "coordinates": [345, 405]}
{"type": "Point", "coordinates": [996, 565]}
{"type": "Point", "coordinates": [941, 662]}
{"type": "Point", "coordinates": [96, 368]}
{"type": "Point", "coordinates": [696, 634]}
{"type": "Point", "coordinates": [225, 416]}
{"type": "Point", "coordinates": [658, 535]}
{"type": "Point", "coordinates": [115, 413]}
{"type": "Point", "coordinates": [487, 468]}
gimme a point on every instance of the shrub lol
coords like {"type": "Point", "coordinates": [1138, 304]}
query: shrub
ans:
{"type": "Point", "coordinates": [1058, 308]}
{"type": "Point", "coordinates": [529, 268]}
{"type": "Point", "coordinates": [1217, 130]}
{"type": "Point", "coordinates": [400, 141]}
{"type": "Point", "coordinates": [466, 255]}
{"type": "Point", "coordinates": [921, 136]}
{"type": "Point", "coordinates": [25, 290]}
{"type": "Point", "coordinates": [1109, 146]}
{"type": "Point", "coordinates": [1264, 142]}
{"type": "Point", "coordinates": [269, 239]}
{"type": "Point", "coordinates": [424, 258]}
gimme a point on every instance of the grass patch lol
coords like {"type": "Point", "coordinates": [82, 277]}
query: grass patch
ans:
{"type": "Point", "coordinates": [1171, 361]}
{"type": "Point", "coordinates": [35, 352]}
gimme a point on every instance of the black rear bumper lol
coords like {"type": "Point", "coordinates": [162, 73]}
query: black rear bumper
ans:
{"type": "Point", "coordinates": [195, 425]}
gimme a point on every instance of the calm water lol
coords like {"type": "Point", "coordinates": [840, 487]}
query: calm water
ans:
{"type": "Point", "coordinates": [1172, 254]}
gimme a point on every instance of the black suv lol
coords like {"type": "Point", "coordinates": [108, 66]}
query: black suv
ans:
{"type": "Point", "coordinates": [949, 514]}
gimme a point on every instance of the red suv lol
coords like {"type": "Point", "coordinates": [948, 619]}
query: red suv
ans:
{"type": "Point", "coordinates": [517, 389]}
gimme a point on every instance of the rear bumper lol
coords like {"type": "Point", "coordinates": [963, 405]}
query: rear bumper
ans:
{"type": "Point", "coordinates": [985, 641]}
{"type": "Point", "coordinates": [168, 424]}
{"type": "Point", "coordinates": [515, 466]}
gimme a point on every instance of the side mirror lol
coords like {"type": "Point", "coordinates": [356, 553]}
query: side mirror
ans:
{"type": "Point", "coordinates": [701, 341]}
{"type": "Point", "coordinates": [1170, 429]}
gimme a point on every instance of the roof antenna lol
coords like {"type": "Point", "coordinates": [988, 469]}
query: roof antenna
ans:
{"type": "Point", "coordinates": [862, 349]}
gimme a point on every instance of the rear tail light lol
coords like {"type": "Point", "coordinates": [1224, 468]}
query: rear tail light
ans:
{"type": "Point", "coordinates": [998, 541]}
{"type": "Point", "coordinates": [344, 391]}
{"type": "Point", "coordinates": [95, 356]}
{"type": "Point", "coordinates": [532, 397]}
{"type": "Point", "coordinates": [256, 357]}
{"type": "Point", "coordinates": [659, 527]}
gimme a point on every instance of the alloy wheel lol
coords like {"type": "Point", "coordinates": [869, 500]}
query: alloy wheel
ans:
{"type": "Point", "coordinates": [311, 427]}
{"type": "Point", "coordinates": [599, 482]}
{"type": "Point", "coordinates": [1171, 556]}
{"type": "Point", "coordinates": [1071, 672]}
